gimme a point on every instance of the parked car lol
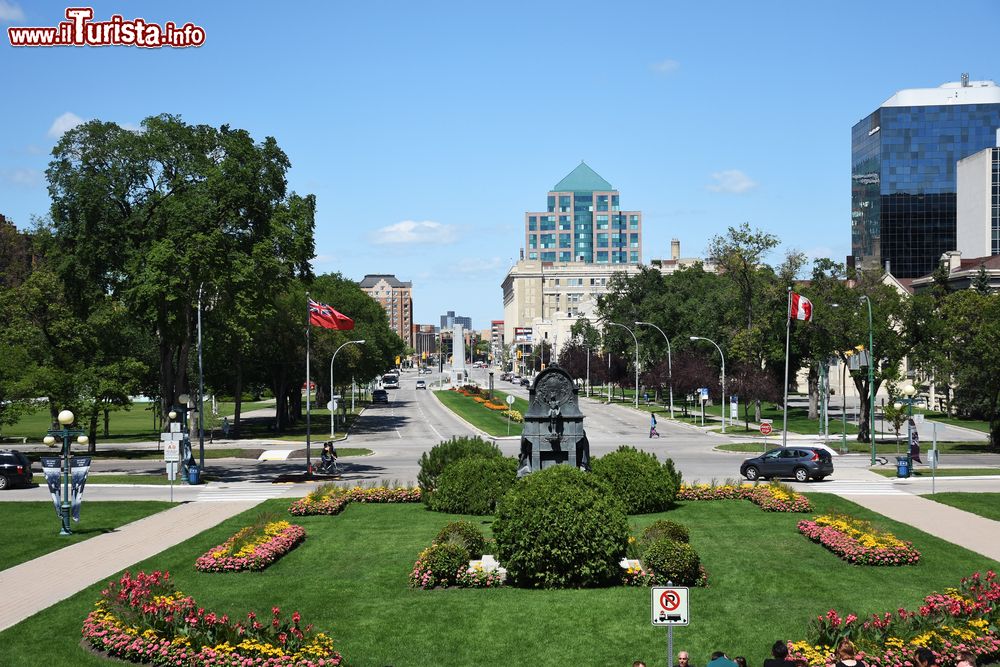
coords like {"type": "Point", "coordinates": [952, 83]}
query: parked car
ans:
{"type": "Point", "coordinates": [800, 463]}
{"type": "Point", "coordinates": [380, 396]}
{"type": "Point", "coordinates": [421, 384]}
{"type": "Point", "coordinates": [525, 382]}
{"type": "Point", "coordinates": [15, 469]}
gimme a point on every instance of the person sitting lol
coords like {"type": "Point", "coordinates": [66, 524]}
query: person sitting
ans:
{"type": "Point", "coordinates": [327, 457]}
{"type": "Point", "coordinates": [846, 655]}
{"type": "Point", "coordinates": [780, 653]}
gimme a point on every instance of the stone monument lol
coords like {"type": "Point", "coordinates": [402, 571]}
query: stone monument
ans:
{"type": "Point", "coordinates": [553, 425]}
{"type": "Point", "coordinates": [458, 374]}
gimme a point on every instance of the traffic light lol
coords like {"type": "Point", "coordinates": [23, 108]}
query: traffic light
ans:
{"type": "Point", "coordinates": [518, 353]}
{"type": "Point", "coordinates": [424, 357]}
{"type": "Point", "coordinates": [397, 359]}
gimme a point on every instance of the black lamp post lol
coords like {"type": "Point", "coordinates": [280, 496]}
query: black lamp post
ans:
{"type": "Point", "coordinates": [66, 418]}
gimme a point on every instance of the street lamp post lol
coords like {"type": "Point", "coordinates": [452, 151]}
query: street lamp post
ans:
{"type": "Point", "coordinates": [615, 324]}
{"type": "Point", "coordinates": [333, 430]}
{"type": "Point", "coordinates": [670, 365]}
{"type": "Point", "coordinates": [66, 433]}
{"type": "Point", "coordinates": [723, 377]}
{"type": "Point", "coordinates": [871, 377]}
{"type": "Point", "coordinates": [909, 390]}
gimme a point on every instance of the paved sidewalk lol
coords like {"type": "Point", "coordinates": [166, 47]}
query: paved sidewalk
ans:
{"type": "Point", "coordinates": [965, 529]}
{"type": "Point", "coordinates": [40, 583]}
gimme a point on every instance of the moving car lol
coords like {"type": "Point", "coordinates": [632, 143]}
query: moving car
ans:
{"type": "Point", "coordinates": [380, 396]}
{"type": "Point", "coordinates": [15, 469]}
{"type": "Point", "coordinates": [801, 463]}
{"type": "Point", "coordinates": [421, 384]}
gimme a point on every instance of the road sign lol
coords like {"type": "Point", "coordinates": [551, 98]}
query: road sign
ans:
{"type": "Point", "coordinates": [510, 400]}
{"type": "Point", "coordinates": [765, 427]}
{"type": "Point", "coordinates": [704, 393]}
{"type": "Point", "coordinates": [171, 451]}
{"type": "Point", "coordinates": [669, 606]}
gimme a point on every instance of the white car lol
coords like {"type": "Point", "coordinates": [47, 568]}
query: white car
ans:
{"type": "Point", "coordinates": [421, 384]}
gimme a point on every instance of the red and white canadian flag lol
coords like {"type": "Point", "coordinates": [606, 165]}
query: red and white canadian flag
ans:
{"type": "Point", "coordinates": [800, 308]}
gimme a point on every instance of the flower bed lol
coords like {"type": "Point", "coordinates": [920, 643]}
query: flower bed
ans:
{"type": "Point", "coordinates": [961, 619]}
{"type": "Point", "coordinates": [143, 619]}
{"type": "Point", "coordinates": [769, 497]}
{"type": "Point", "coordinates": [332, 499]}
{"type": "Point", "coordinates": [253, 548]}
{"type": "Point", "coordinates": [859, 542]}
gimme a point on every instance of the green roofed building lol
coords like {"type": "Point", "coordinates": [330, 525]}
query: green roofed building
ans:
{"type": "Point", "coordinates": [583, 222]}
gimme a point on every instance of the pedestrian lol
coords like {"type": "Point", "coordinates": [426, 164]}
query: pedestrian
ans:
{"type": "Point", "coordinates": [914, 442]}
{"type": "Point", "coordinates": [846, 655]}
{"type": "Point", "coordinates": [684, 660]}
{"type": "Point", "coordinates": [225, 427]}
{"type": "Point", "coordinates": [652, 425]}
{"type": "Point", "coordinates": [924, 657]}
{"type": "Point", "coordinates": [720, 659]}
{"type": "Point", "coordinates": [779, 651]}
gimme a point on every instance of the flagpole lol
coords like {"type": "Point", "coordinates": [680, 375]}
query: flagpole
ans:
{"type": "Point", "coordinates": [788, 331]}
{"type": "Point", "coordinates": [308, 415]}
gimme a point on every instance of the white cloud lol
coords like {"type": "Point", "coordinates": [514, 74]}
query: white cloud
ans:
{"type": "Point", "coordinates": [732, 181]}
{"type": "Point", "coordinates": [410, 231]}
{"type": "Point", "coordinates": [10, 12]}
{"type": "Point", "coordinates": [63, 123]}
{"type": "Point", "coordinates": [27, 178]}
{"type": "Point", "coordinates": [665, 66]}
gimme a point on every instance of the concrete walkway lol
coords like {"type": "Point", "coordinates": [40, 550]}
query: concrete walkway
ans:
{"type": "Point", "coordinates": [40, 583]}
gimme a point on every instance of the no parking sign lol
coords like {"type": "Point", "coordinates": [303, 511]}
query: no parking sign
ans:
{"type": "Point", "coordinates": [670, 606]}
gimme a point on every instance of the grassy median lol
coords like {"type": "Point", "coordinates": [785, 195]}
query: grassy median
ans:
{"type": "Point", "coordinates": [490, 421]}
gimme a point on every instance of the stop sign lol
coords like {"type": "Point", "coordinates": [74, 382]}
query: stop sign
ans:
{"type": "Point", "coordinates": [765, 429]}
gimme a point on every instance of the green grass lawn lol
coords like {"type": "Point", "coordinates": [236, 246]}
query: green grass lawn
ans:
{"type": "Point", "coordinates": [942, 472]}
{"type": "Point", "coordinates": [149, 454]}
{"type": "Point", "coordinates": [855, 447]}
{"type": "Point", "coordinates": [483, 418]}
{"type": "Point", "coordinates": [974, 424]}
{"type": "Point", "coordinates": [138, 478]}
{"type": "Point", "coordinates": [983, 504]}
{"type": "Point", "coordinates": [349, 577]}
{"type": "Point", "coordinates": [37, 525]}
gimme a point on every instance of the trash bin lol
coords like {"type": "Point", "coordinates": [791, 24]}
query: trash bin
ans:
{"type": "Point", "coordinates": [193, 473]}
{"type": "Point", "coordinates": [902, 466]}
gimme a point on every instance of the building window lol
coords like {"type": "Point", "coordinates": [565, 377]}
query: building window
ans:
{"type": "Point", "coordinates": [564, 223]}
{"type": "Point", "coordinates": [633, 240]}
{"type": "Point", "coordinates": [532, 224]}
{"type": "Point", "coordinates": [602, 257]}
{"type": "Point", "coordinates": [602, 202]}
{"type": "Point", "coordinates": [532, 240]}
{"type": "Point", "coordinates": [564, 203]}
{"type": "Point", "coordinates": [633, 222]}
{"type": "Point", "coordinates": [532, 255]}
{"type": "Point", "coordinates": [551, 204]}
{"type": "Point", "coordinates": [548, 257]}
{"type": "Point", "coordinates": [633, 257]}
{"type": "Point", "coordinates": [565, 257]}
{"type": "Point", "coordinates": [564, 240]}
{"type": "Point", "coordinates": [614, 202]}
{"type": "Point", "coordinates": [602, 240]}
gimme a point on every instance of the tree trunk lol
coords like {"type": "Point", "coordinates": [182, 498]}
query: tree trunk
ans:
{"type": "Point", "coordinates": [756, 412]}
{"type": "Point", "coordinates": [92, 444]}
{"type": "Point", "coordinates": [813, 384]}
{"type": "Point", "coordinates": [107, 414]}
{"type": "Point", "coordinates": [238, 397]}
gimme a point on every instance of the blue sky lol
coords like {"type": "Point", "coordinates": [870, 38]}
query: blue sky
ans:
{"type": "Point", "coordinates": [441, 123]}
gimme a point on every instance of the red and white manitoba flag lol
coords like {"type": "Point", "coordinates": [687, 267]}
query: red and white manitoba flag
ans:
{"type": "Point", "coordinates": [800, 308]}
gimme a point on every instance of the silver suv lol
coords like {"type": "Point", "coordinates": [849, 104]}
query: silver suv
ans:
{"type": "Point", "coordinates": [800, 463]}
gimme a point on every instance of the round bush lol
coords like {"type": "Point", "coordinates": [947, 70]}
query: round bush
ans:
{"type": "Point", "coordinates": [440, 565]}
{"type": "Point", "coordinates": [473, 485]}
{"type": "Point", "coordinates": [560, 528]}
{"type": "Point", "coordinates": [433, 463]}
{"type": "Point", "coordinates": [638, 479]}
{"type": "Point", "coordinates": [464, 533]}
{"type": "Point", "coordinates": [672, 561]}
{"type": "Point", "coordinates": [665, 529]}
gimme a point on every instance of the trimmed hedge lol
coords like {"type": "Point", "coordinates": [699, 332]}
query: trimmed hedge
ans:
{"type": "Point", "coordinates": [474, 485]}
{"type": "Point", "coordinates": [433, 463]}
{"type": "Point", "coordinates": [638, 479]}
{"type": "Point", "coordinates": [439, 565]}
{"type": "Point", "coordinates": [561, 528]}
{"type": "Point", "coordinates": [663, 528]}
{"type": "Point", "coordinates": [673, 561]}
{"type": "Point", "coordinates": [465, 534]}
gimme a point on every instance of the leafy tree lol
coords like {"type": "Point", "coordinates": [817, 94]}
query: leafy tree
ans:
{"type": "Point", "coordinates": [740, 254]}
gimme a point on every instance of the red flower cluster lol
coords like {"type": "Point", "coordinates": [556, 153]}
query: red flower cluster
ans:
{"type": "Point", "coordinates": [142, 619]}
{"type": "Point", "coordinates": [853, 551]}
{"type": "Point", "coordinates": [335, 502]}
{"type": "Point", "coordinates": [255, 557]}
{"type": "Point", "coordinates": [768, 497]}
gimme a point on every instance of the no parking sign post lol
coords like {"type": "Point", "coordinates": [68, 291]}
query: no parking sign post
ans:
{"type": "Point", "coordinates": [669, 607]}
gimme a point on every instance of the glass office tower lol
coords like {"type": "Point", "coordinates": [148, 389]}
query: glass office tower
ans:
{"type": "Point", "coordinates": [583, 222]}
{"type": "Point", "coordinates": [903, 172]}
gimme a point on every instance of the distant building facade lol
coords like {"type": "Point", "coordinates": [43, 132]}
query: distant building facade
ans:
{"type": "Point", "coordinates": [425, 340]}
{"type": "Point", "coordinates": [450, 319]}
{"type": "Point", "coordinates": [677, 263]}
{"type": "Point", "coordinates": [583, 222]}
{"type": "Point", "coordinates": [396, 297]}
{"type": "Point", "coordinates": [904, 159]}
{"type": "Point", "coordinates": [979, 203]}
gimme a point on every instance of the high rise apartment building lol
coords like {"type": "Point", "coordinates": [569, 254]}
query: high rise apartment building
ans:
{"type": "Point", "coordinates": [583, 222]}
{"type": "Point", "coordinates": [396, 298]}
{"type": "Point", "coordinates": [979, 203]}
{"type": "Point", "coordinates": [450, 319]}
{"type": "Point", "coordinates": [904, 159]}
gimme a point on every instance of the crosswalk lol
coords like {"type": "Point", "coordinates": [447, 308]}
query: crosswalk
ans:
{"type": "Point", "coordinates": [855, 488]}
{"type": "Point", "coordinates": [240, 492]}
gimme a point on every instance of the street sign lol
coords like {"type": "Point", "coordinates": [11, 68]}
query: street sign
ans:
{"type": "Point", "coordinates": [669, 606]}
{"type": "Point", "coordinates": [704, 393]}
{"type": "Point", "coordinates": [765, 426]}
{"type": "Point", "coordinates": [510, 400]}
{"type": "Point", "coordinates": [171, 451]}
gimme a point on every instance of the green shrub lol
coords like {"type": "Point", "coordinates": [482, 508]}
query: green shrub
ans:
{"type": "Point", "coordinates": [664, 529]}
{"type": "Point", "coordinates": [463, 533]}
{"type": "Point", "coordinates": [673, 473]}
{"type": "Point", "coordinates": [442, 562]}
{"type": "Point", "coordinates": [560, 528]}
{"type": "Point", "coordinates": [638, 479]}
{"type": "Point", "coordinates": [672, 561]}
{"type": "Point", "coordinates": [433, 463]}
{"type": "Point", "coordinates": [474, 485]}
